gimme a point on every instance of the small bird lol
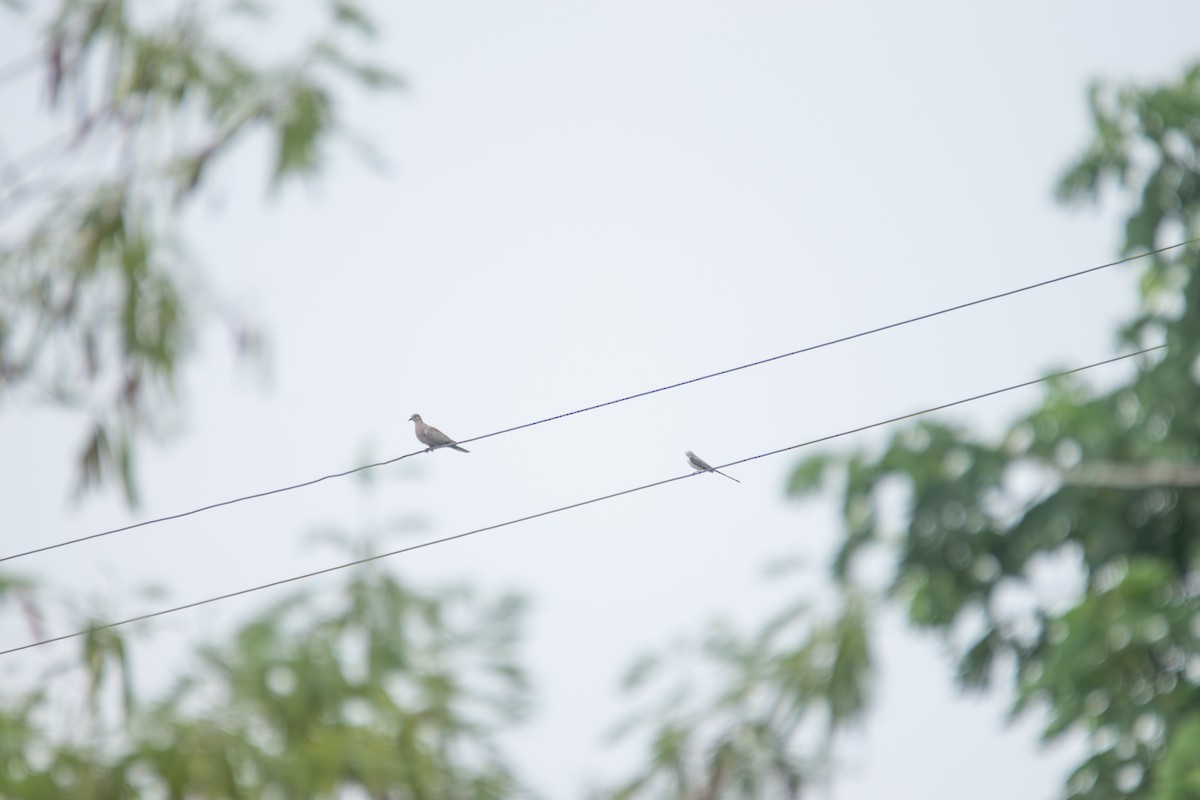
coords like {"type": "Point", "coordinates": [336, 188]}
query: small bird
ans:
{"type": "Point", "coordinates": [700, 465]}
{"type": "Point", "coordinates": [427, 434]}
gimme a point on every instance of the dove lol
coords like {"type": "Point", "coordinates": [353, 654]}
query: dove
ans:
{"type": "Point", "coordinates": [427, 434]}
{"type": "Point", "coordinates": [700, 465]}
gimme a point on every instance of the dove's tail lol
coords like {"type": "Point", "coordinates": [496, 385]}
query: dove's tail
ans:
{"type": "Point", "coordinates": [727, 476]}
{"type": "Point", "coordinates": [464, 450]}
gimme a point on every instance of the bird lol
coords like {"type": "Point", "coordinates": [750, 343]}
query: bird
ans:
{"type": "Point", "coordinates": [700, 465]}
{"type": "Point", "coordinates": [427, 434]}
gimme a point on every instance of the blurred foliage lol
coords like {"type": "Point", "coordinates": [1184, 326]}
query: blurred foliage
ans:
{"type": "Point", "coordinates": [99, 304]}
{"type": "Point", "coordinates": [778, 698]}
{"type": "Point", "coordinates": [1085, 592]}
{"type": "Point", "coordinates": [378, 692]}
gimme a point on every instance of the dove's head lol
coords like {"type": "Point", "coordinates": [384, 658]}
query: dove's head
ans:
{"type": "Point", "coordinates": [415, 418]}
{"type": "Point", "coordinates": [689, 454]}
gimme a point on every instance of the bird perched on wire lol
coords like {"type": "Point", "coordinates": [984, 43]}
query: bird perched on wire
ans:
{"type": "Point", "coordinates": [427, 434]}
{"type": "Point", "coordinates": [700, 465]}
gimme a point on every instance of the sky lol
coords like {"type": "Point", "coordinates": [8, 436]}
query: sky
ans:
{"type": "Point", "coordinates": [589, 200]}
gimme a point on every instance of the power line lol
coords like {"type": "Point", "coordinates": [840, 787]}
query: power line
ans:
{"type": "Point", "coordinates": [843, 339]}
{"type": "Point", "coordinates": [605, 404]}
{"type": "Point", "coordinates": [602, 498]}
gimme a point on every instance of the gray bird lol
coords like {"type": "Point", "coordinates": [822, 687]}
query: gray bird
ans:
{"type": "Point", "coordinates": [700, 465]}
{"type": "Point", "coordinates": [427, 434]}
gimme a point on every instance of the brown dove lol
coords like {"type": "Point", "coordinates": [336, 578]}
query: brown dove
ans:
{"type": "Point", "coordinates": [427, 434]}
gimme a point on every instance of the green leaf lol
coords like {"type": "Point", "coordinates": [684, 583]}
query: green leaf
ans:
{"type": "Point", "coordinates": [302, 122]}
{"type": "Point", "coordinates": [351, 15]}
{"type": "Point", "coordinates": [1177, 775]}
{"type": "Point", "coordinates": [808, 475]}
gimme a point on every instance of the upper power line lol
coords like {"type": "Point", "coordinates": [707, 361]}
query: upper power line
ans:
{"type": "Point", "coordinates": [580, 504]}
{"type": "Point", "coordinates": [738, 368]}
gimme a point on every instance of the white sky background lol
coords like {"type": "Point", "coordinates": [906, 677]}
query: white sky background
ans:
{"type": "Point", "coordinates": [590, 200]}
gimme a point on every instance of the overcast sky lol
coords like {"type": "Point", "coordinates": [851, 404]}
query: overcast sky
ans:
{"type": "Point", "coordinates": [594, 199]}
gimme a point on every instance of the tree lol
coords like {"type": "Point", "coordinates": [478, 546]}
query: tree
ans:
{"type": "Point", "coordinates": [751, 716]}
{"type": "Point", "coordinates": [1120, 662]}
{"type": "Point", "coordinates": [378, 691]}
{"type": "Point", "coordinates": [98, 298]}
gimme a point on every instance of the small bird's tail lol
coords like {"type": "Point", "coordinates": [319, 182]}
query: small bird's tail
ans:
{"type": "Point", "coordinates": [465, 450]}
{"type": "Point", "coordinates": [727, 476]}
